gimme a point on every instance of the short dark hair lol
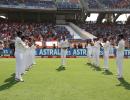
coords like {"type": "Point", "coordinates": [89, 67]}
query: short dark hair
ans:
{"type": "Point", "coordinates": [105, 39]}
{"type": "Point", "coordinates": [19, 34]}
{"type": "Point", "coordinates": [23, 37]}
{"type": "Point", "coordinates": [121, 36]}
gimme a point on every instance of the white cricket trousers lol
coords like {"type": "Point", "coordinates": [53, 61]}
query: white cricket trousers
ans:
{"type": "Point", "coordinates": [97, 56]}
{"type": "Point", "coordinates": [106, 60]}
{"type": "Point", "coordinates": [33, 56]}
{"type": "Point", "coordinates": [24, 63]}
{"type": "Point", "coordinates": [89, 55]}
{"type": "Point", "coordinates": [63, 56]}
{"type": "Point", "coordinates": [19, 64]}
{"type": "Point", "coordinates": [119, 62]}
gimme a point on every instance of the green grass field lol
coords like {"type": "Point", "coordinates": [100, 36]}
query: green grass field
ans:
{"type": "Point", "coordinates": [78, 82]}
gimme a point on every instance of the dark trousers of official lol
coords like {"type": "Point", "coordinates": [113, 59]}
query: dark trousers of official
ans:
{"type": "Point", "coordinates": [12, 52]}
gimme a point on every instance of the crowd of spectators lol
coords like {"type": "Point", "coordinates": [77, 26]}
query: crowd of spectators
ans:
{"type": "Point", "coordinates": [41, 31]}
{"type": "Point", "coordinates": [92, 4]}
{"type": "Point", "coordinates": [68, 4]}
{"type": "Point", "coordinates": [61, 4]}
{"type": "Point", "coordinates": [105, 29]}
{"type": "Point", "coordinates": [116, 3]}
{"type": "Point", "coordinates": [35, 3]}
{"type": "Point", "coordinates": [113, 4]}
{"type": "Point", "coordinates": [108, 30]}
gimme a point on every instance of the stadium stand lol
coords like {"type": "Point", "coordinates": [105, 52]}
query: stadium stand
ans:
{"type": "Point", "coordinates": [104, 30]}
{"type": "Point", "coordinates": [108, 30]}
{"type": "Point", "coordinates": [68, 10]}
{"type": "Point", "coordinates": [92, 4]}
{"type": "Point", "coordinates": [116, 4]}
{"type": "Point", "coordinates": [40, 3]}
{"type": "Point", "coordinates": [46, 31]}
{"type": "Point", "coordinates": [68, 4]}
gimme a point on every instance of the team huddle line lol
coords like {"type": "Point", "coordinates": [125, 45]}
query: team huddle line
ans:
{"type": "Point", "coordinates": [25, 53]}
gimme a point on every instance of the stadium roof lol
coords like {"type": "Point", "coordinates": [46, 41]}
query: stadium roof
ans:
{"type": "Point", "coordinates": [123, 17]}
{"type": "Point", "coordinates": [120, 17]}
{"type": "Point", "coordinates": [92, 17]}
{"type": "Point", "coordinates": [1, 16]}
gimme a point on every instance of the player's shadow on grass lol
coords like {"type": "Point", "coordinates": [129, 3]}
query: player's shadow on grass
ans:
{"type": "Point", "coordinates": [8, 83]}
{"type": "Point", "coordinates": [89, 64]}
{"type": "Point", "coordinates": [107, 72]}
{"type": "Point", "coordinates": [94, 67]}
{"type": "Point", "coordinates": [60, 68]}
{"type": "Point", "coordinates": [124, 84]}
{"type": "Point", "coordinates": [97, 68]}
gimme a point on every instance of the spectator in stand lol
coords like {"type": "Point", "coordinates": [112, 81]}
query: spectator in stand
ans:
{"type": "Point", "coordinates": [80, 46]}
{"type": "Point", "coordinates": [54, 46]}
{"type": "Point", "coordinates": [41, 31]}
{"type": "Point", "coordinates": [68, 4]}
{"type": "Point", "coordinates": [39, 3]}
{"type": "Point", "coordinates": [108, 30]}
{"type": "Point", "coordinates": [75, 46]}
{"type": "Point", "coordinates": [111, 4]}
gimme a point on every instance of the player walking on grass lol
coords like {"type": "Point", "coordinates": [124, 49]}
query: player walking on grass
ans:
{"type": "Point", "coordinates": [64, 44]}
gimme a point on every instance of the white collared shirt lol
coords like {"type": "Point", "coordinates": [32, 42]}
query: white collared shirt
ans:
{"type": "Point", "coordinates": [20, 45]}
{"type": "Point", "coordinates": [106, 46]}
{"type": "Point", "coordinates": [64, 44]}
{"type": "Point", "coordinates": [121, 45]}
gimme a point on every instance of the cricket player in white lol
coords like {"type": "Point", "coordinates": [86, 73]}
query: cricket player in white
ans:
{"type": "Point", "coordinates": [64, 44]}
{"type": "Point", "coordinates": [97, 52]}
{"type": "Point", "coordinates": [31, 52]}
{"type": "Point", "coordinates": [93, 53]}
{"type": "Point", "coordinates": [106, 46]}
{"type": "Point", "coordinates": [24, 54]}
{"type": "Point", "coordinates": [33, 47]}
{"type": "Point", "coordinates": [20, 47]}
{"type": "Point", "coordinates": [120, 56]}
{"type": "Point", "coordinates": [29, 57]}
{"type": "Point", "coordinates": [89, 52]}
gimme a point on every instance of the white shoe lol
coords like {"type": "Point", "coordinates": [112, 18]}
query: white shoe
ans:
{"type": "Point", "coordinates": [119, 77]}
{"type": "Point", "coordinates": [21, 80]}
{"type": "Point", "coordinates": [23, 73]}
{"type": "Point", "coordinates": [34, 63]}
{"type": "Point", "coordinates": [16, 79]}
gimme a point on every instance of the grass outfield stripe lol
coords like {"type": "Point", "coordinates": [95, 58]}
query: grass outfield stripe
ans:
{"type": "Point", "coordinates": [78, 82]}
